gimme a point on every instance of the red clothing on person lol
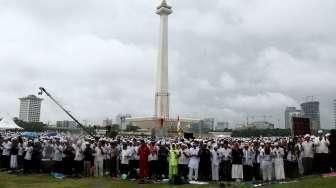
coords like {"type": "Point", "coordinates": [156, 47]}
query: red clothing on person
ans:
{"type": "Point", "coordinates": [143, 161]}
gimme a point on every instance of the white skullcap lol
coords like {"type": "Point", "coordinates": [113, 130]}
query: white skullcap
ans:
{"type": "Point", "coordinates": [320, 131]}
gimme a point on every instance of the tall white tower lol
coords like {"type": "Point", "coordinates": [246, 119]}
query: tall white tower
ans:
{"type": "Point", "coordinates": [161, 93]}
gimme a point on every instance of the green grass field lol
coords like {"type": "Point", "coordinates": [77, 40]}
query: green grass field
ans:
{"type": "Point", "coordinates": [44, 181]}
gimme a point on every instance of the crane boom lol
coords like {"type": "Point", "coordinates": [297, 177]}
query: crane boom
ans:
{"type": "Point", "coordinates": [43, 90]}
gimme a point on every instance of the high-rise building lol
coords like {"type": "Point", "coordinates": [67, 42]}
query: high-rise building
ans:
{"type": "Point", "coordinates": [260, 125]}
{"type": "Point", "coordinates": [289, 113]}
{"type": "Point", "coordinates": [209, 123]}
{"type": "Point", "coordinates": [203, 126]}
{"type": "Point", "coordinates": [30, 108]}
{"type": "Point", "coordinates": [107, 122]}
{"type": "Point", "coordinates": [66, 124]}
{"type": "Point", "coordinates": [334, 121]}
{"type": "Point", "coordinates": [222, 126]}
{"type": "Point", "coordinates": [311, 110]}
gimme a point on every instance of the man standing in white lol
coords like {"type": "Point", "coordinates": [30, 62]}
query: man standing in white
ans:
{"type": "Point", "coordinates": [278, 153]}
{"type": "Point", "coordinates": [162, 94]}
{"type": "Point", "coordinates": [215, 160]}
{"type": "Point", "coordinates": [308, 155]}
{"type": "Point", "coordinates": [193, 162]}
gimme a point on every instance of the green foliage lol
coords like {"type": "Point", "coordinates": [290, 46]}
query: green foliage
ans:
{"type": "Point", "coordinates": [260, 132]}
{"type": "Point", "coordinates": [31, 126]}
{"type": "Point", "coordinates": [112, 130]}
{"type": "Point", "coordinates": [91, 129]}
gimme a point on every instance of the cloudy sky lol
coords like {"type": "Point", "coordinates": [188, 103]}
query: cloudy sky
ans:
{"type": "Point", "coordinates": [228, 59]}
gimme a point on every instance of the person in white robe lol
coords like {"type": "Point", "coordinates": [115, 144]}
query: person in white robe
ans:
{"type": "Point", "coordinates": [14, 152]}
{"type": "Point", "coordinates": [27, 158]}
{"type": "Point", "coordinates": [260, 149]}
{"type": "Point", "coordinates": [308, 155]}
{"type": "Point", "coordinates": [5, 158]}
{"type": "Point", "coordinates": [57, 157]}
{"type": "Point", "coordinates": [99, 160]}
{"type": "Point", "coordinates": [79, 157]}
{"type": "Point", "coordinates": [193, 163]}
{"type": "Point", "coordinates": [107, 158]}
{"type": "Point", "coordinates": [183, 162]}
{"type": "Point", "coordinates": [124, 160]}
{"type": "Point", "coordinates": [215, 159]}
{"type": "Point", "coordinates": [279, 170]}
{"type": "Point", "coordinates": [267, 164]}
{"type": "Point", "coordinates": [300, 155]}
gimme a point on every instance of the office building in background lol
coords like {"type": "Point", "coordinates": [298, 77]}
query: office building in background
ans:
{"type": "Point", "coordinates": [107, 122]}
{"type": "Point", "coordinates": [289, 113]}
{"type": "Point", "coordinates": [311, 110]}
{"type": "Point", "coordinates": [66, 124]}
{"type": "Point", "coordinates": [221, 126]}
{"type": "Point", "coordinates": [30, 108]}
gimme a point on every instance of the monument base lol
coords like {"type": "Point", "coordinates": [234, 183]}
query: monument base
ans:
{"type": "Point", "coordinates": [160, 128]}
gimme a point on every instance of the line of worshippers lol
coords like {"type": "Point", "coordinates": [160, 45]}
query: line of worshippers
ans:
{"type": "Point", "coordinates": [258, 159]}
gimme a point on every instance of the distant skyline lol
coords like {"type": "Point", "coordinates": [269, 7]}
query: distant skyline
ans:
{"type": "Point", "coordinates": [227, 59]}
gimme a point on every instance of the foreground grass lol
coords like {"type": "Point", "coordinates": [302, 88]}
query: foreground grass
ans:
{"type": "Point", "coordinates": [309, 182]}
{"type": "Point", "coordinates": [44, 181]}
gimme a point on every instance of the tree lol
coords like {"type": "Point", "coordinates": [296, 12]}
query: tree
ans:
{"type": "Point", "coordinates": [91, 129]}
{"type": "Point", "coordinates": [31, 126]}
{"type": "Point", "coordinates": [250, 132]}
{"type": "Point", "coordinates": [112, 130]}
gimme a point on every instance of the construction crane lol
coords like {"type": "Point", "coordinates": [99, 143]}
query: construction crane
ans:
{"type": "Point", "coordinates": [43, 90]}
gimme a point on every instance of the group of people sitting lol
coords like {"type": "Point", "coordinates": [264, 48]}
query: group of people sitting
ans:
{"type": "Point", "coordinates": [208, 159]}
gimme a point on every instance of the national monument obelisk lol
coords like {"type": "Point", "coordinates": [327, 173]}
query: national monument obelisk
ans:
{"type": "Point", "coordinates": [161, 93]}
{"type": "Point", "coordinates": [162, 124]}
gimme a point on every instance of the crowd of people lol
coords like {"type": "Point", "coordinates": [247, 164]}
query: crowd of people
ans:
{"type": "Point", "coordinates": [177, 159]}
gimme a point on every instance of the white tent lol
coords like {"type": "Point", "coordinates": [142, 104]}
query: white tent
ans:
{"type": "Point", "coordinates": [8, 124]}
